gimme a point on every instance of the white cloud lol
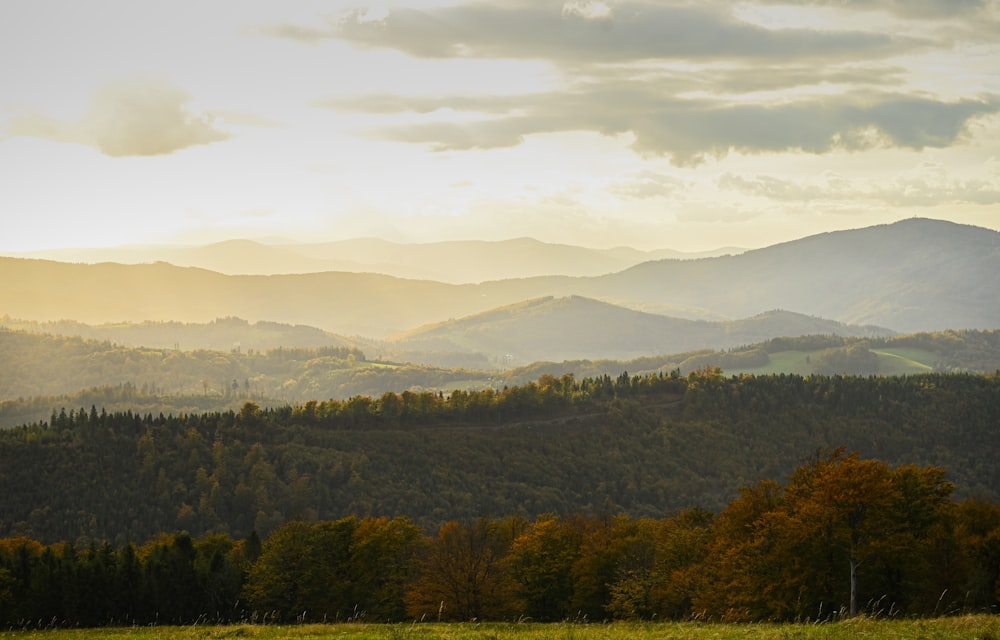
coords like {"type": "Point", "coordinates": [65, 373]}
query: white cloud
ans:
{"type": "Point", "coordinates": [128, 118]}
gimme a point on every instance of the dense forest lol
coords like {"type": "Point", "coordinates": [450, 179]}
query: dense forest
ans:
{"type": "Point", "coordinates": [637, 445]}
{"type": "Point", "coordinates": [843, 535]}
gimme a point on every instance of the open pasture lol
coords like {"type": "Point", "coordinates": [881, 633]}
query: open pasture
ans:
{"type": "Point", "coordinates": [980, 627]}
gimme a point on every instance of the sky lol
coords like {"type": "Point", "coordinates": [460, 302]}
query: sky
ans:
{"type": "Point", "coordinates": [678, 124]}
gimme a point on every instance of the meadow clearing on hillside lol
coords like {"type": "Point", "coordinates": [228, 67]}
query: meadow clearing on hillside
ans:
{"type": "Point", "coordinates": [979, 627]}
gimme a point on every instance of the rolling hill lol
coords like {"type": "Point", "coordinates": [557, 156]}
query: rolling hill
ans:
{"type": "Point", "coordinates": [221, 334]}
{"type": "Point", "coordinates": [914, 275]}
{"type": "Point", "coordinates": [576, 328]}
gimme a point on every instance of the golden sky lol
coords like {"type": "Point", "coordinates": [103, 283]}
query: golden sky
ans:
{"type": "Point", "coordinates": [664, 124]}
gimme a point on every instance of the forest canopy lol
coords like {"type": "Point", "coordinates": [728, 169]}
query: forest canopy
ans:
{"type": "Point", "coordinates": [637, 445]}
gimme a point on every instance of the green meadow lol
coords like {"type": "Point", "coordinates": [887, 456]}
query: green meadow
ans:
{"type": "Point", "coordinates": [980, 627]}
{"type": "Point", "coordinates": [892, 361]}
{"type": "Point", "coordinates": [902, 360]}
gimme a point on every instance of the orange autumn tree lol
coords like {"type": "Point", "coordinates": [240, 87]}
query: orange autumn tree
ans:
{"type": "Point", "coordinates": [886, 520]}
{"type": "Point", "coordinates": [809, 549]}
{"type": "Point", "coordinates": [463, 574]}
{"type": "Point", "coordinates": [842, 508]}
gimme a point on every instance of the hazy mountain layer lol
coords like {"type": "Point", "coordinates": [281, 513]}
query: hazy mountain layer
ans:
{"type": "Point", "coordinates": [916, 275]}
{"type": "Point", "coordinates": [455, 262]}
{"type": "Point", "coordinates": [577, 328]}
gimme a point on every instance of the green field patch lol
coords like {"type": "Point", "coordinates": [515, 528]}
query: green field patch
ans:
{"type": "Point", "coordinates": [903, 360]}
{"type": "Point", "coordinates": [891, 362]}
{"type": "Point", "coordinates": [781, 362]}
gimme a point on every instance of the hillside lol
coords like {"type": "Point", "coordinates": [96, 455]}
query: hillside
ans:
{"type": "Point", "coordinates": [543, 329]}
{"type": "Point", "coordinates": [581, 328]}
{"type": "Point", "coordinates": [49, 372]}
{"type": "Point", "coordinates": [221, 334]}
{"type": "Point", "coordinates": [639, 446]}
{"type": "Point", "coordinates": [915, 275]}
{"type": "Point", "coordinates": [47, 365]}
{"type": "Point", "coordinates": [911, 354]}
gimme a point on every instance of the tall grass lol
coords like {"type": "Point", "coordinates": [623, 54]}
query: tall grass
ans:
{"type": "Point", "coordinates": [980, 627]}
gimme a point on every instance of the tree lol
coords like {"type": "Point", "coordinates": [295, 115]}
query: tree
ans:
{"type": "Point", "coordinates": [463, 575]}
{"type": "Point", "coordinates": [383, 559]}
{"type": "Point", "coordinates": [977, 525]}
{"type": "Point", "coordinates": [173, 586]}
{"type": "Point", "coordinates": [744, 562]}
{"type": "Point", "coordinates": [630, 585]}
{"type": "Point", "coordinates": [843, 503]}
{"type": "Point", "coordinates": [304, 572]}
{"type": "Point", "coordinates": [680, 543]}
{"type": "Point", "coordinates": [788, 552]}
{"type": "Point", "coordinates": [541, 561]}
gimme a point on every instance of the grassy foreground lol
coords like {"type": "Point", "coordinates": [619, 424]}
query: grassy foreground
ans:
{"type": "Point", "coordinates": [965, 628]}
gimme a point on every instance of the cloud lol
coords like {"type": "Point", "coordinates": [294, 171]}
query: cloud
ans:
{"type": "Point", "coordinates": [776, 188]}
{"type": "Point", "coordinates": [681, 78]}
{"type": "Point", "coordinates": [747, 79]}
{"type": "Point", "coordinates": [579, 33]}
{"type": "Point", "coordinates": [688, 130]}
{"type": "Point", "coordinates": [913, 9]}
{"type": "Point", "coordinates": [284, 31]}
{"type": "Point", "coordinates": [931, 184]}
{"type": "Point", "coordinates": [645, 185]}
{"type": "Point", "coordinates": [928, 185]}
{"type": "Point", "coordinates": [128, 118]}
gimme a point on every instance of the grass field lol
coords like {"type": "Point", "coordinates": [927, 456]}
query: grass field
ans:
{"type": "Point", "coordinates": [903, 360]}
{"type": "Point", "coordinates": [891, 362]}
{"type": "Point", "coordinates": [781, 362]}
{"type": "Point", "coordinates": [965, 628]}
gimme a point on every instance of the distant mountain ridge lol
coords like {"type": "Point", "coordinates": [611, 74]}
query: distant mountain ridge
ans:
{"type": "Point", "coordinates": [914, 275]}
{"type": "Point", "coordinates": [455, 262]}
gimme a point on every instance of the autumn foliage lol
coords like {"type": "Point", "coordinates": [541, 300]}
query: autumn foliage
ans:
{"type": "Point", "coordinates": [843, 535]}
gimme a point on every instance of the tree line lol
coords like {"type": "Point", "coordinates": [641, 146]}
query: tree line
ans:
{"type": "Point", "coordinates": [842, 535]}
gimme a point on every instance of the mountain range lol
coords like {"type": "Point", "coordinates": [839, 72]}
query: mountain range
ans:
{"type": "Point", "coordinates": [455, 262]}
{"type": "Point", "coordinates": [910, 276]}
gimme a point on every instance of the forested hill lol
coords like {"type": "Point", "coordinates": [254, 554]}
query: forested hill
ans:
{"type": "Point", "coordinates": [644, 446]}
{"type": "Point", "coordinates": [49, 372]}
{"type": "Point", "coordinates": [221, 334]}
